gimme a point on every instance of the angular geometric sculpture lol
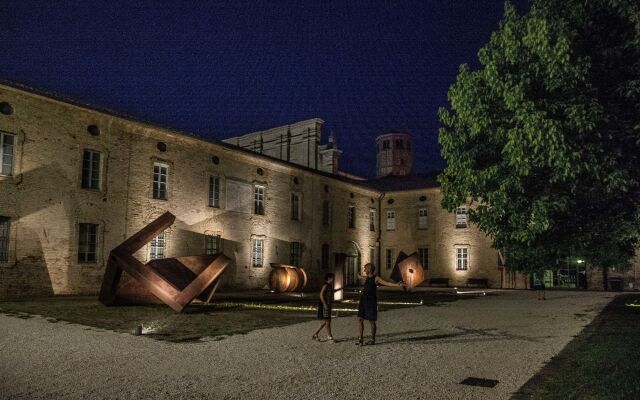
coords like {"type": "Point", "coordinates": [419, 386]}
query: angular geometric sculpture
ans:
{"type": "Point", "coordinates": [287, 278]}
{"type": "Point", "coordinates": [174, 281]}
{"type": "Point", "coordinates": [408, 270]}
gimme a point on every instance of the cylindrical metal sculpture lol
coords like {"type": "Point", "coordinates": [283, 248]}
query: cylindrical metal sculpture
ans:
{"type": "Point", "coordinates": [287, 278]}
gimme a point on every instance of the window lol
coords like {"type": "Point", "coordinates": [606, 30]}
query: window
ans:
{"type": "Point", "coordinates": [423, 253]}
{"type": "Point", "coordinates": [296, 254]}
{"type": "Point", "coordinates": [324, 257]}
{"type": "Point", "coordinates": [160, 173]}
{"type": "Point", "coordinates": [7, 143]}
{"type": "Point", "coordinates": [422, 218]}
{"type": "Point", "coordinates": [462, 259]}
{"type": "Point", "coordinates": [4, 238]}
{"type": "Point", "coordinates": [91, 170]}
{"type": "Point", "coordinates": [326, 213]}
{"type": "Point", "coordinates": [213, 244]}
{"type": "Point", "coordinates": [385, 144]}
{"type": "Point", "coordinates": [461, 217]}
{"type": "Point", "coordinates": [88, 244]}
{"type": "Point", "coordinates": [399, 144]}
{"type": "Point", "coordinates": [389, 259]}
{"type": "Point", "coordinates": [351, 216]}
{"type": "Point", "coordinates": [372, 219]}
{"type": "Point", "coordinates": [296, 214]}
{"type": "Point", "coordinates": [391, 220]}
{"type": "Point", "coordinates": [157, 246]}
{"type": "Point", "coordinates": [372, 255]}
{"type": "Point", "coordinates": [257, 253]}
{"type": "Point", "coordinates": [258, 200]}
{"type": "Point", "coordinates": [214, 191]}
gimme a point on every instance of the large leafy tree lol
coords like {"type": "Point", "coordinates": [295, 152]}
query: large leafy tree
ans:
{"type": "Point", "coordinates": [543, 140]}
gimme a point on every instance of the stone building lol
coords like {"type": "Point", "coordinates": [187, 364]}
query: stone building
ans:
{"type": "Point", "coordinates": [76, 181]}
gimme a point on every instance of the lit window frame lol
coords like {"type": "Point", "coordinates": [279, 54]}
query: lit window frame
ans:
{"type": "Point", "coordinates": [391, 219]}
{"type": "Point", "coordinates": [462, 258]}
{"type": "Point", "coordinates": [258, 199]}
{"type": "Point", "coordinates": [214, 191]}
{"type": "Point", "coordinates": [423, 218]}
{"type": "Point", "coordinates": [5, 238]}
{"type": "Point", "coordinates": [7, 151]}
{"type": "Point", "coordinates": [296, 206]}
{"type": "Point", "coordinates": [160, 189]}
{"type": "Point", "coordinates": [91, 178]}
{"type": "Point", "coordinates": [257, 252]}
{"type": "Point", "coordinates": [88, 239]}
{"type": "Point", "coordinates": [389, 257]}
{"type": "Point", "coordinates": [462, 219]}
{"type": "Point", "coordinates": [158, 246]}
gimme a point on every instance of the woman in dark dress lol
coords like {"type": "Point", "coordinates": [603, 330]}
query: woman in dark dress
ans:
{"type": "Point", "coordinates": [324, 306]}
{"type": "Point", "coordinates": [368, 307]}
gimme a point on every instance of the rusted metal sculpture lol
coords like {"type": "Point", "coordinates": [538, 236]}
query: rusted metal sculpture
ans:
{"type": "Point", "coordinates": [174, 281]}
{"type": "Point", "coordinates": [408, 270]}
{"type": "Point", "coordinates": [287, 278]}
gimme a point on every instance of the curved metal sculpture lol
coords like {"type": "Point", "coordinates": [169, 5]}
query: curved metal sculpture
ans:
{"type": "Point", "coordinates": [174, 281]}
{"type": "Point", "coordinates": [287, 278]}
{"type": "Point", "coordinates": [409, 270]}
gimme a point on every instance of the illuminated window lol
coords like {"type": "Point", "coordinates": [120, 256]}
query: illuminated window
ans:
{"type": "Point", "coordinates": [296, 254]}
{"type": "Point", "coordinates": [7, 143]}
{"type": "Point", "coordinates": [296, 207]}
{"type": "Point", "coordinates": [372, 219]}
{"type": "Point", "coordinates": [389, 259]}
{"type": "Point", "coordinates": [423, 253]}
{"type": "Point", "coordinates": [422, 218]}
{"type": "Point", "coordinates": [91, 170]}
{"type": "Point", "coordinates": [213, 244]}
{"type": "Point", "coordinates": [462, 259]}
{"type": "Point", "coordinates": [326, 213]}
{"type": "Point", "coordinates": [351, 216]}
{"type": "Point", "coordinates": [257, 253]}
{"type": "Point", "coordinates": [324, 262]}
{"type": "Point", "coordinates": [160, 174]}
{"type": "Point", "coordinates": [391, 220]}
{"type": "Point", "coordinates": [214, 191]}
{"type": "Point", "coordinates": [461, 217]}
{"type": "Point", "coordinates": [88, 243]}
{"type": "Point", "coordinates": [258, 200]}
{"type": "Point", "coordinates": [157, 247]}
{"type": "Point", "coordinates": [4, 238]}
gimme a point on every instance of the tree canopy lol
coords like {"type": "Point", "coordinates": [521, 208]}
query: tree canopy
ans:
{"type": "Point", "coordinates": [543, 140]}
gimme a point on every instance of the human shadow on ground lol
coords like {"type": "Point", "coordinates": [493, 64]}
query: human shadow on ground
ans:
{"type": "Point", "coordinates": [463, 334]}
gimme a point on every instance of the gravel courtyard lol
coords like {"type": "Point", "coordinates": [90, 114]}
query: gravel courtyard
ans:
{"type": "Point", "coordinates": [423, 353]}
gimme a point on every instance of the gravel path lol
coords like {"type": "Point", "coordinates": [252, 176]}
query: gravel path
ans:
{"type": "Point", "coordinates": [423, 353]}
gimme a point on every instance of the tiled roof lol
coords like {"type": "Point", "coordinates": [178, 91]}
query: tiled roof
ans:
{"type": "Point", "coordinates": [400, 183]}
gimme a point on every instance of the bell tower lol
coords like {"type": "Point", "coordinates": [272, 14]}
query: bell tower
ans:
{"type": "Point", "coordinates": [394, 155]}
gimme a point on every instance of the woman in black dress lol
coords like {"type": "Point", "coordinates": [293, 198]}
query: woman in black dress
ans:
{"type": "Point", "coordinates": [324, 306]}
{"type": "Point", "coordinates": [368, 307]}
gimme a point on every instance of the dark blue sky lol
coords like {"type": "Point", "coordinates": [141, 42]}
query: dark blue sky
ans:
{"type": "Point", "coordinates": [220, 69]}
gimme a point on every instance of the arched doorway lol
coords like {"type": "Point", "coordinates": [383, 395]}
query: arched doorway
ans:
{"type": "Point", "coordinates": [352, 265]}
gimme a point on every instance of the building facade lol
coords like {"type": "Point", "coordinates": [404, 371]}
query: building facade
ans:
{"type": "Point", "coordinates": [75, 182]}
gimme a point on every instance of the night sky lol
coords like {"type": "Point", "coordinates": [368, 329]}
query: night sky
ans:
{"type": "Point", "coordinates": [219, 69]}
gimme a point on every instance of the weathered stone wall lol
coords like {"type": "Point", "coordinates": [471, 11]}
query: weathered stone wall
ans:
{"type": "Point", "coordinates": [46, 203]}
{"type": "Point", "coordinates": [441, 238]}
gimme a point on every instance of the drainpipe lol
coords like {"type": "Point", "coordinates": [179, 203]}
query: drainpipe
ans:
{"type": "Point", "coordinates": [379, 238]}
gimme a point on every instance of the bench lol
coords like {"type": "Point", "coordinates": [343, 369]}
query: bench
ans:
{"type": "Point", "coordinates": [478, 282]}
{"type": "Point", "coordinates": [438, 282]}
